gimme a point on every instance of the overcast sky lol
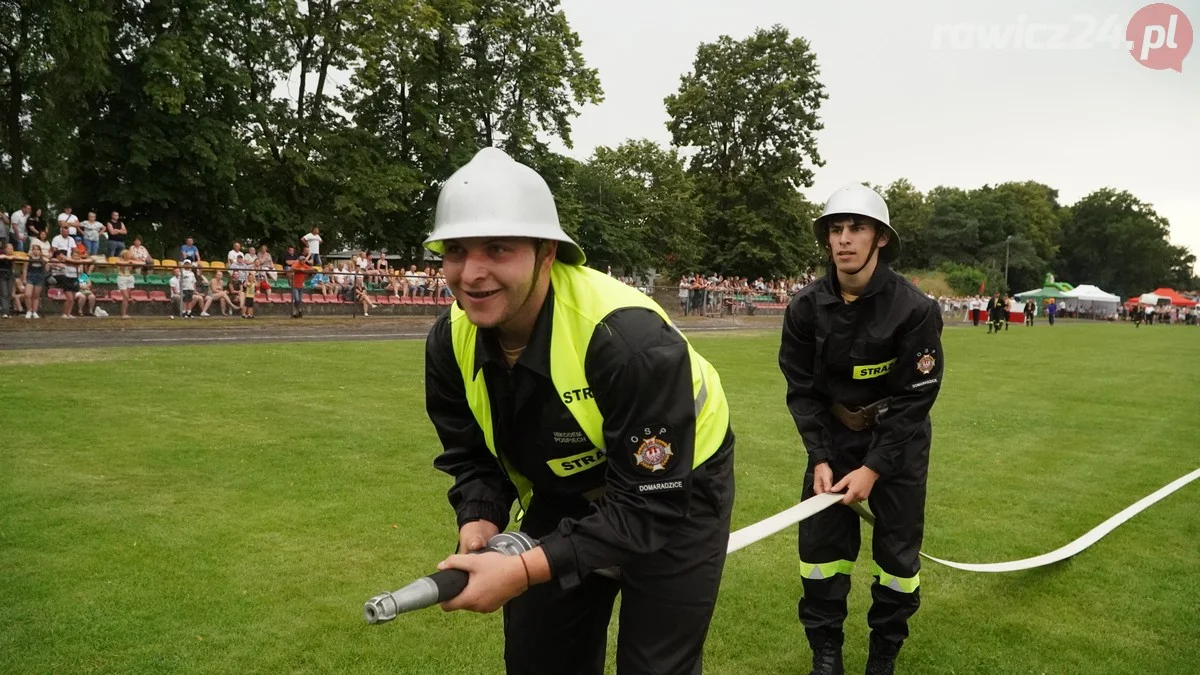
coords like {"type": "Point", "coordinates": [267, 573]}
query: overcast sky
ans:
{"type": "Point", "coordinates": [913, 94]}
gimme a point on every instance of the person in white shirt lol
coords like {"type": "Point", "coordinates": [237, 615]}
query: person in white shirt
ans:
{"type": "Point", "coordinates": [41, 242]}
{"type": "Point", "coordinates": [313, 241]}
{"type": "Point", "coordinates": [66, 217]}
{"type": "Point", "coordinates": [233, 254]}
{"type": "Point", "coordinates": [63, 241]}
{"type": "Point", "coordinates": [187, 285]}
{"type": "Point", "coordinates": [17, 222]}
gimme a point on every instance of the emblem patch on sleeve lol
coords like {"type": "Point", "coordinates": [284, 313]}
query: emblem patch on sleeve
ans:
{"type": "Point", "coordinates": [651, 448]}
{"type": "Point", "coordinates": [926, 362]}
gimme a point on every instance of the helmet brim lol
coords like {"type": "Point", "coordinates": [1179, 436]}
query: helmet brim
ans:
{"type": "Point", "coordinates": [568, 251]}
{"type": "Point", "coordinates": [887, 253]}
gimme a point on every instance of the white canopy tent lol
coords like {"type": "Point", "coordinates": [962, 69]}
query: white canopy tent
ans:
{"type": "Point", "coordinates": [1090, 302]}
{"type": "Point", "coordinates": [1088, 295]}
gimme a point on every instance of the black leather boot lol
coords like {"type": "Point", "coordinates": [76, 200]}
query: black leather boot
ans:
{"type": "Point", "coordinates": [827, 654]}
{"type": "Point", "coordinates": [881, 659]}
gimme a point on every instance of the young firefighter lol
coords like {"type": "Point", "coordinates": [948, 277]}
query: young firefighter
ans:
{"type": "Point", "coordinates": [861, 353]}
{"type": "Point", "coordinates": [559, 387]}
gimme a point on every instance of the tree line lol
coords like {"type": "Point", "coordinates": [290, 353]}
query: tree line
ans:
{"type": "Point", "coordinates": [256, 120]}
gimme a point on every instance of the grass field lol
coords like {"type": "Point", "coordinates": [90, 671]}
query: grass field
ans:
{"type": "Point", "coordinates": [230, 508]}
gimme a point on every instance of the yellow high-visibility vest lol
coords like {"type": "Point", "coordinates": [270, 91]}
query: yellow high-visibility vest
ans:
{"type": "Point", "coordinates": [583, 297]}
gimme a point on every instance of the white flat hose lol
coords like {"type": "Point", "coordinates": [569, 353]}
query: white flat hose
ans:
{"type": "Point", "coordinates": [781, 521]}
{"type": "Point", "coordinates": [813, 505]}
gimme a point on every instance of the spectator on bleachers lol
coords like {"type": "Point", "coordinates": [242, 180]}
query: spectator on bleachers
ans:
{"type": "Point", "coordinates": [18, 222]}
{"type": "Point", "coordinates": [248, 295]}
{"type": "Point", "coordinates": [116, 234]}
{"type": "Point", "coordinates": [265, 262]}
{"type": "Point", "coordinates": [344, 280]}
{"type": "Point", "coordinates": [142, 256]}
{"type": "Point", "coordinates": [361, 298]}
{"type": "Point", "coordinates": [35, 224]}
{"type": "Point", "coordinates": [189, 251]}
{"type": "Point", "coordinates": [85, 299]}
{"type": "Point", "coordinates": [67, 218]}
{"type": "Point", "coordinates": [91, 233]}
{"type": "Point", "coordinates": [41, 242]}
{"type": "Point", "coordinates": [125, 282]}
{"type": "Point", "coordinates": [238, 269]}
{"type": "Point", "coordinates": [397, 284]}
{"type": "Point", "coordinates": [65, 270]}
{"type": "Point", "coordinates": [383, 266]}
{"type": "Point", "coordinates": [35, 280]}
{"type": "Point", "coordinates": [289, 257]}
{"type": "Point", "coordinates": [234, 252]}
{"type": "Point", "coordinates": [323, 282]}
{"type": "Point", "coordinates": [7, 258]}
{"type": "Point", "coordinates": [217, 291]}
{"type": "Point", "coordinates": [187, 287]}
{"type": "Point", "coordinates": [18, 295]}
{"type": "Point", "coordinates": [312, 241]}
{"type": "Point", "coordinates": [63, 241]}
{"type": "Point", "coordinates": [410, 281]}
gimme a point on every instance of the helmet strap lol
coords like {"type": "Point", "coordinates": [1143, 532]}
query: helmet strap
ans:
{"type": "Point", "coordinates": [537, 272]}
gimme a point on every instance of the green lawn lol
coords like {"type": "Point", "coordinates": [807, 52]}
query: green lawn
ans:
{"type": "Point", "coordinates": [230, 508]}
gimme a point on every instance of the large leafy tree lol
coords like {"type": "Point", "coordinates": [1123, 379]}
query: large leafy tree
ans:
{"type": "Point", "coordinates": [749, 109]}
{"type": "Point", "coordinates": [1116, 241]}
{"type": "Point", "coordinates": [52, 56]}
{"type": "Point", "coordinates": [639, 209]}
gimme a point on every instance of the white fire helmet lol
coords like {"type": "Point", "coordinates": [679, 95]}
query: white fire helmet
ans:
{"type": "Point", "coordinates": [857, 199]}
{"type": "Point", "coordinates": [495, 196]}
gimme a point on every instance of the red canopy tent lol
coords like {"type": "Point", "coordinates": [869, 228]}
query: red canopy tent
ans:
{"type": "Point", "coordinates": [1176, 299]}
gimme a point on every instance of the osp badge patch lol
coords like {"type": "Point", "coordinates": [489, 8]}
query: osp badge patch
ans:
{"type": "Point", "coordinates": [652, 450]}
{"type": "Point", "coordinates": [926, 362]}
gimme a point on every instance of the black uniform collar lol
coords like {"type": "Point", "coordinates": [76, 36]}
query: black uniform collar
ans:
{"type": "Point", "coordinates": [830, 291]}
{"type": "Point", "coordinates": [536, 356]}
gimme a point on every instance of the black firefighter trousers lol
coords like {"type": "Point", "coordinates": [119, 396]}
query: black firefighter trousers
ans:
{"type": "Point", "coordinates": [829, 544]}
{"type": "Point", "coordinates": [667, 602]}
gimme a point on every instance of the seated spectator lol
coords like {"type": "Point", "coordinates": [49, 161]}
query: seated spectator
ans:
{"type": "Point", "coordinates": [85, 298]}
{"type": "Point", "coordinates": [238, 269]}
{"type": "Point", "coordinates": [361, 297]}
{"type": "Point", "coordinates": [18, 295]}
{"type": "Point", "coordinates": [289, 257]}
{"type": "Point", "coordinates": [63, 241]}
{"type": "Point", "coordinates": [321, 282]}
{"type": "Point", "coordinates": [266, 263]}
{"type": "Point", "coordinates": [141, 256]}
{"type": "Point", "coordinates": [217, 291]}
{"type": "Point", "coordinates": [189, 251]}
{"type": "Point", "coordinates": [234, 253]}
{"type": "Point", "coordinates": [41, 241]}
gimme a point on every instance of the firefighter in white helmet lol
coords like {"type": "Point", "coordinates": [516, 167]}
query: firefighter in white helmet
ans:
{"type": "Point", "coordinates": [861, 353]}
{"type": "Point", "coordinates": [556, 387]}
